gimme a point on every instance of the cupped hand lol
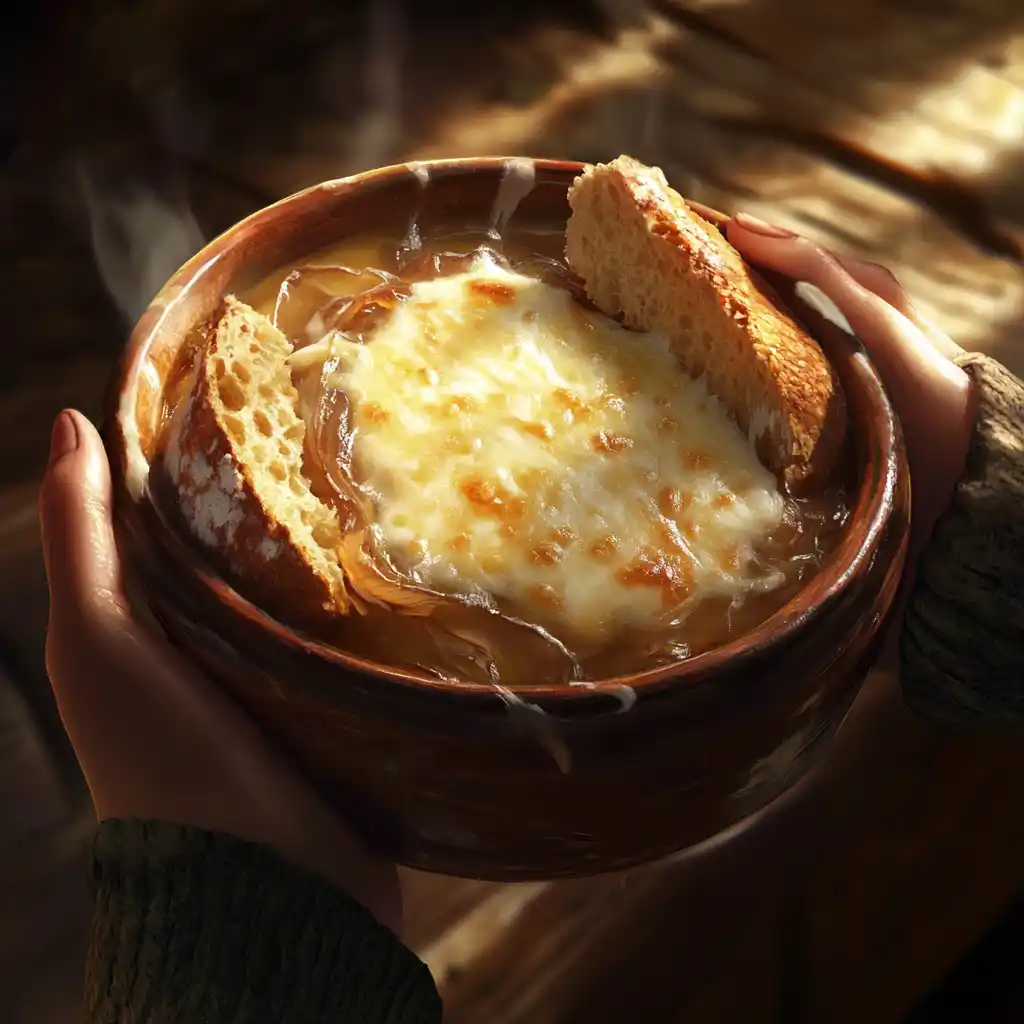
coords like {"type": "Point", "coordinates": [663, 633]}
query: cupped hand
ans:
{"type": "Point", "coordinates": [155, 738]}
{"type": "Point", "coordinates": [931, 395]}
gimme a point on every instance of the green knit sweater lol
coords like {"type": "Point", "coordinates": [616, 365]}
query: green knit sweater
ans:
{"type": "Point", "coordinates": [192, 927]}
{"type": "Point", "coordinates": [196, 928]}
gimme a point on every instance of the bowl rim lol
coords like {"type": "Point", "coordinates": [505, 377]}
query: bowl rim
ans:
{"type": "Point", "coordinates": [876, 489]}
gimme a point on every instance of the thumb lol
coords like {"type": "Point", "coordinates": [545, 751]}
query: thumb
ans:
{"type": "Point", "coordinates": [75, 505]}
{"type": "Point", "coordinates": [917, 375]}
{"type": "Point", "coordinates": [930, 393]}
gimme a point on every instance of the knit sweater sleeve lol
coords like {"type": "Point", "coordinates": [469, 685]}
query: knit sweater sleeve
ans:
{"type": "Point", "coordinates": [962, 644]}
{"type": "Point", "coordinates": [195, 926]}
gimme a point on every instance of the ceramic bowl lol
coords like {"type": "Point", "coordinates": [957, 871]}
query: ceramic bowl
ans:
{"type": "Point", "coordinates": [559, 781]}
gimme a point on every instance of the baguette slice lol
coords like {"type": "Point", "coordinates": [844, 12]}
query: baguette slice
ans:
{"type": "Point", "coordinates": [234, 454]}
{"type": "Point", "coordinates": [646, 257]}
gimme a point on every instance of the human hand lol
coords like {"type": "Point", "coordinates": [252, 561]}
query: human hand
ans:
{"type": "Point", "coordinates": [931, 395]}
{"type": "Point", "coordinates": [155, 738]}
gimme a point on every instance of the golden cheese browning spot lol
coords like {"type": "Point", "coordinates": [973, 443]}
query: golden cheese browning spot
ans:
{"type": "Point", "coordinates": [539, 429]}
{"type": "Point", "coordinates": [373, 412]}
{"type": "Point", "coordinates": [671, 574]}
{"type": "Point", "coordinates": [605, 548]}
{"type": "Point", "coordinates": [492, 499]}
{"type": "Point", "coordinates": [609, 443]}
{"type": "Point", "coordinates": [666, 424]}
{"type": "Point", "coordinates": [723, 500]}
{"type": "Point", "coordinates": [575, 408]}
{"type": "Point", "coordinates": [563, 536]}
{"type": "Point", "coordinates": [546, 554]}
{"type": "Point", "coordinates": [494, 291]}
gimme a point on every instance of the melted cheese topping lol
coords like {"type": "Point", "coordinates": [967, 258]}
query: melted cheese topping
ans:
{"type": "Point", "coordinates": [519, 445]}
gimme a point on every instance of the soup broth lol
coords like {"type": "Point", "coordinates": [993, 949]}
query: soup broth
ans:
{"type": "Point", "coordinates": [617, 523]}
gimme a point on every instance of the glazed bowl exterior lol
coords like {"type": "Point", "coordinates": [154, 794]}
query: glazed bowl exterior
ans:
{"type": "Point", "coordinates": [552, 780]}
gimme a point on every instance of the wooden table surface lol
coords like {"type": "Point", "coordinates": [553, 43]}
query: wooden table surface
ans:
{"type": "Point", "coordinates": [892, 132]}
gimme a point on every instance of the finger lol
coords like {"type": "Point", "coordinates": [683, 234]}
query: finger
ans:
{"type": "Point", "coordinates": [873, 276]}
{"type": "Point", "coordinates": [884, 283]}
{"type": "Point", "coordinates": [88, 608]}
{"type": "Point", "coordinates": [931, 394]}
{"type": "Point", "coordinates": [154, 738]}
{"type": "Point", "coordinates": [75, 504]}
{"type": "Point", "coordinates": [918, 377]}
{"type": "Point", "coordinates": [878, 279]}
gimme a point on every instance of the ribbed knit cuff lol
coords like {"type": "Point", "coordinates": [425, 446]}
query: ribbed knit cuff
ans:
{"type": "Point", "coordinates": [962, 644]}
{"type": "Point", "coordinates": [192, 926]}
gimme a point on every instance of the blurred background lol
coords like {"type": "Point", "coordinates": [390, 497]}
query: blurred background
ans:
{"type": "Point", "coordinates": [130, 133]}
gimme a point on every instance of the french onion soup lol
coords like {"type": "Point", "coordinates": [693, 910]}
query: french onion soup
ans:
{"type": "Point", "coordinates": [514, 457]}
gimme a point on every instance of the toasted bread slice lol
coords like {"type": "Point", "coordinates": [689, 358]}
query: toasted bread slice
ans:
{"type": "Point", "coordinates": [644, 255]}
{"type": "Point", "coordinates": [235, 455]}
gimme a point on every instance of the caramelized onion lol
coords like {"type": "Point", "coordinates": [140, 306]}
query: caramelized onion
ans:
{"type": "Point", "coordinates": [470, 635]}
{"type": "Point", "coordinates": [310, 296]}
{"type": "Point", "coordinates": [366, 576]}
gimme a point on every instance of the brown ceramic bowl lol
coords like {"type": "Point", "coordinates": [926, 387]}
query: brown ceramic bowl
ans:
{"type": "Point", "coordinates": [448, 777]}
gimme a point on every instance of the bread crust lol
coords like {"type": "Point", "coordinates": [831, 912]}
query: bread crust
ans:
{"type": "Point", "coordinates": [646, 257]}
{"type": "Point", "coordinates": [225, 496]}
{"type": "Point", "coordinates": [642, 254]}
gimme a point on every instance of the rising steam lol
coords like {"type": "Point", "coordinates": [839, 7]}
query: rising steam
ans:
{"type": "Point", "coordinates": [139, 237]}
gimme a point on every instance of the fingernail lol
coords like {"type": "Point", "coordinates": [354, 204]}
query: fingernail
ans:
{"type": "Point", "coordinates": [870, 265]}
{"type": "Point", "coordinates": [64, 439]}
{"type": "Point", "coordinates": [760, 227]}
{"type": "Point", "coordinates": [880, 268]}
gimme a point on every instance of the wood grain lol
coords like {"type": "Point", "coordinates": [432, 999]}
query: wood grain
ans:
{"type": "Point", "coordinates": [844, 903]}
{"type": "Point", "coordinates": [910, 173]}
{"type": "Point", "coordinates": [891, 132]}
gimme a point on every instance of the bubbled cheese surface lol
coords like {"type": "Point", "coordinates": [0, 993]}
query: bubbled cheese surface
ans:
{"type": "Point", "coordinates": [517, 445]}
